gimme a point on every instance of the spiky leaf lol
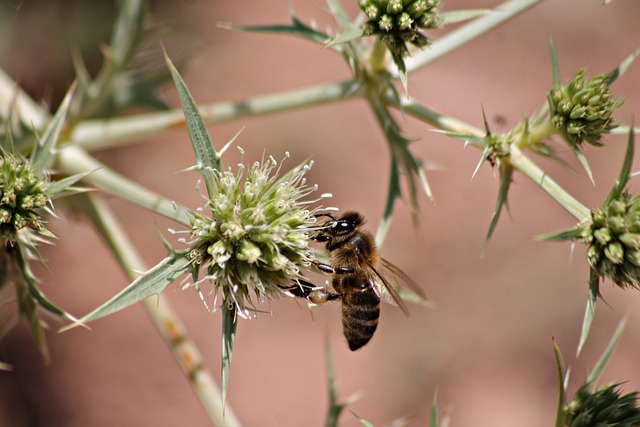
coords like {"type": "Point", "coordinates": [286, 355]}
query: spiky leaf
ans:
{"type": "Point", "coordinates": [208, 159]}
{"type": "Point", "coordinates": [229, 325]}
{"type": "Point", "coordinates": [150, 283]}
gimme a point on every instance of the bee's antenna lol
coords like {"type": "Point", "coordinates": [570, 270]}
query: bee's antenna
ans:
{"type": "Point", "coordinates": [326, 214]}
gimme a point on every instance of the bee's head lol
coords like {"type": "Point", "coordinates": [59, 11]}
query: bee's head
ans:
{"type": "Point", "coordinates": [339, 228]}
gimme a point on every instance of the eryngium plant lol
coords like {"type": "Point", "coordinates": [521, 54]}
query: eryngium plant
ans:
{"type": "Point", "coordinates": [254, 242]}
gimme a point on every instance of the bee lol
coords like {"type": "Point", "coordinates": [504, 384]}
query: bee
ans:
{"type": "Point", "coordinates": [360, 278]}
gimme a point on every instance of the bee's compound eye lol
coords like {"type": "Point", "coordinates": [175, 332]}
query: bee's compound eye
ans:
{"type": "Point", "coordinates": [343, 227]}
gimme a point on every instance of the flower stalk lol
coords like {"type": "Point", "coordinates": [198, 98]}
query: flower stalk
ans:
{"type": "Point", "coordinates": [163, 316]}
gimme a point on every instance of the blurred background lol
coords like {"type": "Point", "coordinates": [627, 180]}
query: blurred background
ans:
{"type": "Point", "coordinates": [487, 346]}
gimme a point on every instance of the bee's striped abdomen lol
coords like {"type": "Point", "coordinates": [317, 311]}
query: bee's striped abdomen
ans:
{"type": "Point", "coordinates": [360, 313]}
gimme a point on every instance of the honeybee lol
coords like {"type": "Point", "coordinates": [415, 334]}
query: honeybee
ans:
{"type": "Point", "coordinates": [360, 278]}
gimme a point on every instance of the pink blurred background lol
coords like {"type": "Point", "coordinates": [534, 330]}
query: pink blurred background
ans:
{"type": "Point", "coordinates": [486, 348]}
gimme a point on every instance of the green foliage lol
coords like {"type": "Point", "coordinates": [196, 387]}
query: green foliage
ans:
{"type": "Point", "coordinates": [595, 407]}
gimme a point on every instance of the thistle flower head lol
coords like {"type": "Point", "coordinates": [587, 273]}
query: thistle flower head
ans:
{"type": "Point", "coordinates": [22, 193]}
{"type": "Point", "coordinates": [398, 22]}
{"type": "Point", "coordinates": [604, 406]}
{"type": "Point", "coordinates": [255, 241]}
{"type": "Point", "coordinates": [613, 237]}
{"type": "Point", "coordinates": [581, 110]}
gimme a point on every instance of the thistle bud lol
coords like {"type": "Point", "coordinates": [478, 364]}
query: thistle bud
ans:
{"type": "Point", "coordinates": [254, 244]}
{"type": "Point", "coordinates": [21, 194]}
{"type": "Point", "coordinates": [602, 235]}
{"type": "Point", "coordinates": [614, 240]}
{"type": "Point", "coordinates": [386, 23]}
{"type": "Point", "coordinates": [416, 8]}
{"type": "Point", "coordinates": [372, 11]}
{"type": "Point", "coordinates": [394, 7]}
{"type": "Point", "coordinates": [581, 110]}
{"type": "Point", "coordinates": [404, 21]}
{"type": "Point", "coordinates": [398, 22]}
{"type": "Point", "coordinates": [631, 240]}
{"type": "Point", "coordinates": [614, 251]}
{"type": "Point", "coordinates": [604, 406]}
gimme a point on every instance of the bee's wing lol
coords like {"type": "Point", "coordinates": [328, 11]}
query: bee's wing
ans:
{"type": "Point", "coordinates": [384, 289]}
{"type": "Point", "coordinates": [388, 278]}
{"type": "Point", "coordinates": [400, 278]}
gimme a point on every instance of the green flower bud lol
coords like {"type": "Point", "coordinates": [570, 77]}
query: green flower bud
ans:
{"type": "Point", "coordinates": [5, 216]}
{"type": "Point", "coordinates": [404, 21]}
{"type": "Point", "coordinates": [386, 23]}
{"type": "Point", "coordinates": [394, 7]}
{"type": "Point", "coordinates": [417, 8]}
{"type": "Point", "coordinates": [581, 110]}
{"type": "Point", "coordinates": [617, 224]}
{"type": "Point", "coordinates": [372, 11]}
{"type": "Point", "coordinates": [634, 205]}
{"type": "Point", "coordinates": [633, 256]}
{"type": "Point", "coordinates": [613, 236]}
{"type": "Point", "coordinates": [593, 255]}
{"type": "Point", "coordinates": [575, 128]}
{"type": "Point", "coordinates": [630, 240]}
{"type": "Point", "coordinates": [602, 235]}
{"type": "Point", "coordinates": [249, 252]}
{"type": "Point", "coordinates": [598, 218]}
{"type": "Point", "coordinates": [634, 223]}
{"type": "Point", "coordinates": [398, 22]}
{"type": "Point", "coordinates": [565, 107]}
{"type": "Point", "coordinates": [428, 20]}
{"type": "Point", "coordinates": [604, 406]}
{"type": "Point", "coordinates": [21, 194]}
{"type": "Point", "coordinates": [19, 221]}
{"type": "Point", "coordinates": [614, 252]}
{"type": "Point", "coordinates": [9, 198]}
{"type": "Point", "coordinates": [617, 207]}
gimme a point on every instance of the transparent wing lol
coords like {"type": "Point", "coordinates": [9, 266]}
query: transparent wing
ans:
{"type": "Point", "coordinates": [386, 278]}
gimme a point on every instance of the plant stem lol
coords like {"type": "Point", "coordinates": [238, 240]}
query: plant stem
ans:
{"type": "Point", "coordinates": [528, 168]}
{"type": "Point", "coordinates": [378, 57]}
{"type": "Point", "coordinates": [12, 97]}
{"type": "Point", "coordinates": [163, 316]}
{"type": "Point", "coordinates": [95, 134]}
{"type": "Point", "coordinates": [467, 33]}
{"type": "Point", "coordinates": [74, 160]}
{"type": "Point", "coordinates": [518, 159]}
{"type": "Point", "coordinates": [544, 130]}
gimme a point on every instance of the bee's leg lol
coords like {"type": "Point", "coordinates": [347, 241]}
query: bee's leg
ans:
{"type": "Point", "coordinates": [311, 292]}
{"type": "Point", "coordinates": [334, 270]}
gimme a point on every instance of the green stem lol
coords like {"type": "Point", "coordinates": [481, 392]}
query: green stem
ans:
{"type": "Point", "coordinates": [469, 32]}
{"type": "Point", "coordinates": [543, 131]}
{"type": "Point", "coordinates": [528, 168]}
{"type": "Point", "coordinates": [440, 121]}
{"type": "Point", "coordinates": [163, 316]}
{"type": "Point", "coordinates": [378, 56]}
{"type": "Point", "coordinates": [518, 159]}
{"type": "Point", "coordinates": [74, 160]}
{"type": "Point", "coordinates": [13, 98]}
{"type": "Point", "coordinates": [100, 134]}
